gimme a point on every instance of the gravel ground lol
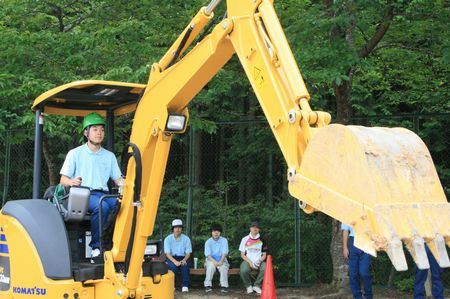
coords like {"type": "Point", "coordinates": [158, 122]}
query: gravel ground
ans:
{"type": "Point", "coordinates": [318, 291]}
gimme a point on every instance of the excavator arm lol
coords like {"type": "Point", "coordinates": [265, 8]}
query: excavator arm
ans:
{"type": "Point", "coordinates": [380, 181]}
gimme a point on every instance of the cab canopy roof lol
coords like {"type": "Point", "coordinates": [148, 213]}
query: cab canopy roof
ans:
{"type": "Point", "coordinates": [80, 98]}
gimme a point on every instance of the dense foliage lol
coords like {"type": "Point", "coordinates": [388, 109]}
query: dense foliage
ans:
{"type": "Point", "coordinates": [348, 71]}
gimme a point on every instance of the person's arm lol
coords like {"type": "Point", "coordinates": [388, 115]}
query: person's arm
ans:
{"type": "Point", "coordinates": [184, 260]}
{"type": "Point", "coordinates": [345, 251]}
{"type": "Point", "coordinates": [119, 182]}
{"type": "Point", "coordinates": [245, 258]}
{"type": "Point", "coordinates": [170, 257]}
{"type": "Point", "coordinates": [208, 253]}
{"type": "Point", "coordinates": [212, 260]}
{"type": "Point", "coordinates": [264, 251]}
{"type": "Point", "coordinates": [188, 251]}
{"type": "Point", "coordinates": [66, 181]}
{"type": "Point", "coordinates": [222, 259]}
{"type": "Point", "coordinates": [224, 251]}
{"type": "Point", "coordinates": [263, 256]}
{"type": "Point", "coordinates": [68, 171]}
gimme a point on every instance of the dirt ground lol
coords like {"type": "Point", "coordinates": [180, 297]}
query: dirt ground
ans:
{"type": "Point", "coordinates": [317, 291]}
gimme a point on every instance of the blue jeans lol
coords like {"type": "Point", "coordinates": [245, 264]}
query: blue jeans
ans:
{"type": "Point", "coordinates": [359, 269]}
{"type": "Point", "coordinates": [94, 207]}
{"type": "Point", "coordinates": [184, 269]}
{"type": "Point", "coordinates": [436, 281]}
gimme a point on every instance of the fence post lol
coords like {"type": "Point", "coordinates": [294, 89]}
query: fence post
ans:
{"type": "Point", "coordinates": [191, 182]}
{"type": "Point", "coordinates": [298, 277]}
{"type": "Point", "coordinates": [6, 169]}
{"type": "Point", "coordinates": [37, 153]}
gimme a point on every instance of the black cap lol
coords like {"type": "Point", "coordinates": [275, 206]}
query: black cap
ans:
{"type": "Point", "coordinates": [255, 223]}
{"type": "Point", "coordinates": [216, 226]}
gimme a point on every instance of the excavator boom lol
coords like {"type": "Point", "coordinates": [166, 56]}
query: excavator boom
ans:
{"type": "Point", "coordinates": [366, 177]}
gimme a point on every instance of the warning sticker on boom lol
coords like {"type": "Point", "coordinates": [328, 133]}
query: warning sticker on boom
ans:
{"type": "Point", "coordinates": [258, 76]}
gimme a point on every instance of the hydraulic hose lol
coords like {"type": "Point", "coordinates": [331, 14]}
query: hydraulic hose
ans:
{"type": "Point", "coordinates": [136, 154]}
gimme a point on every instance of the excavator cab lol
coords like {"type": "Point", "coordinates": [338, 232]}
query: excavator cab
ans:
{"type": "Point", "coordinates": [72, 222]}
{"type": "Point", "coordinates": [109, 99]}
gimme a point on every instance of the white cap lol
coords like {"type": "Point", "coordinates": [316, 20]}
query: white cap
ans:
{"type": "Point", "coordinates": [177, 222]}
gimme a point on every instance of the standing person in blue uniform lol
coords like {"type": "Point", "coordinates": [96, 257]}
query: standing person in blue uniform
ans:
{"type": "Point", "coordinates": [437, 288]}
{"type": "Point", "coordinates": [216, 252]}
{"type": "Point", "coordinates": [90, 165]}
{"type": "Point", "coordinates": [358, 265]}
{"type": "Point", "coordinates": [178, 249]}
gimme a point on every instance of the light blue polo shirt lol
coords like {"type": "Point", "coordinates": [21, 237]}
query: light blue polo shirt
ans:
{"type": "Point", "coordinates": [349, 228]}
{"type": "Point", "coordinates": [179, 247]}
{"type": "Point", "coordinates": [216, 248]}
{"type": "Point", "coordinates": [94, 168]}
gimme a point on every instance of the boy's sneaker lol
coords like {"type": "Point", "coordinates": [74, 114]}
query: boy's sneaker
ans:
{"type": "Point", "coordinates": [208, 289]}
{"type": "Point", "coordinates": [224, 290]}
{"type": "Point", "coordinates": [249, 290]}
{"type": "Point", "coordinates": [185, 289]}
{"type": "Point", "coordinates": [257, 289]}
{"type": "Point", "coordinates": [95, 256]}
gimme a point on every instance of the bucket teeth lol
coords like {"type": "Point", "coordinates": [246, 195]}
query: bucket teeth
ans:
{"type": "Point", "coordinates": [417, 250]}
{"type": "Point", "coordinates": [396, 254]}
{"type": "Point", "coordinates": [437, 246]}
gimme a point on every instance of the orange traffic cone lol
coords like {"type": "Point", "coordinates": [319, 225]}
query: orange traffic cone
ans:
{"type": "Point", "coordinates": [268, 287]}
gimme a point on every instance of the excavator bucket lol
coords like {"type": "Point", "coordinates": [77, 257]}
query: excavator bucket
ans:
{"type": "Point", "coordinates": [381, 181]}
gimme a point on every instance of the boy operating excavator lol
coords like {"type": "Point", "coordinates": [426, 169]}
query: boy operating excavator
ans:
{"type": "Point", "coordinates": [90, 165]}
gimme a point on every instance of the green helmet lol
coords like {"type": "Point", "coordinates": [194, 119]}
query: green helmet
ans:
{"type": "Point", "coordinates": [92, 119]}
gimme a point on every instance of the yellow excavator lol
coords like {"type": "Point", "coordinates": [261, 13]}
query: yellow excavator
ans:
{"type": "Point", "coordinates": [381, 181]}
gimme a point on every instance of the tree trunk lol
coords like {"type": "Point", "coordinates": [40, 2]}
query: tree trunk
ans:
{"type": "Point", "coordinates": [340, 267]}
{"type": "Point", "coordinates": [343, 93]}
{"type": "Point", "coordinates": [221, 153]}
{"type": "Point", "coordinates": [197, 157]}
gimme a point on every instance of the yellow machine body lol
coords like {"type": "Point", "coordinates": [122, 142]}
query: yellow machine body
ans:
{"type": "Point", "coordinates": [22, 274]}
{"type": "Point", "coordinates": [380, 181]}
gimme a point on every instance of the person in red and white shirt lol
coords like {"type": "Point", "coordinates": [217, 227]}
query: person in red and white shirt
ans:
{"type": "Point", "coordinates": [253, 252]}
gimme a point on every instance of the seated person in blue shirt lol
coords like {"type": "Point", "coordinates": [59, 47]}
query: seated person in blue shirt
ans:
{"type": "Point", "coordinates": [178, 249]}
{"type": "Point", "coordinates": [90, 165]}
{"type": "Point", "coordinates": [216, 251]}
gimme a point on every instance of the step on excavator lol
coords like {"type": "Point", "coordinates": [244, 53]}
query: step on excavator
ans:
{"type": "Point", "coordinates": [381, 181]}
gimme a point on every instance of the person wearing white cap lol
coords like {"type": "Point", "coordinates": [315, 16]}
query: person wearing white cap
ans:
{"type": "Point", "coordinates": [178, 249]}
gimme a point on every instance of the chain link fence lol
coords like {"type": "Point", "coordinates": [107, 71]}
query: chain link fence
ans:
{"type": "Point", "coordinates": [231, 177]}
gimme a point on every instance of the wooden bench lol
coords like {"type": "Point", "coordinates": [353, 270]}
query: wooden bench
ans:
{"type": "Point", "coordinates": [202, 271]}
